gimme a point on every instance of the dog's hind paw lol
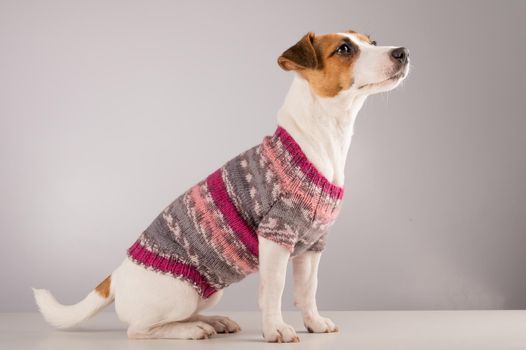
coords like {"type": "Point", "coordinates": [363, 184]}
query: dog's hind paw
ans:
{"type": "Point", "coordinates": [221, 324]}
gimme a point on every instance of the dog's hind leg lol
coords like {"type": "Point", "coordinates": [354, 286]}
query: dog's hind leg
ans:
{"type": "Point", "coordinates": [174, 330]}
{"type": "Point", "coordinates": [156, 305]}
{"type": "Point", "coordinates": [221, 324]}
{"type": "Point", "coordinates": [194, 327]}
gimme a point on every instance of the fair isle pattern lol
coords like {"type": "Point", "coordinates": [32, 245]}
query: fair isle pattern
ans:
{"type": "Point", "coordinates": [208, 236]}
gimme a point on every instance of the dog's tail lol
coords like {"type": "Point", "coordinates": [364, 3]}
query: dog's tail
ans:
{"type": "Point", "coordinates": [65, 316]}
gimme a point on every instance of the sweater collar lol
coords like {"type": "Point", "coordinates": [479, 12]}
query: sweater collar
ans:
{"type": "Point", "coordinates": [300, 159]}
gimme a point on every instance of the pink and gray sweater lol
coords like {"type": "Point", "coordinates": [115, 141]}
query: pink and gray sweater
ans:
{"type": "Point", "coordinates": [208, 236]}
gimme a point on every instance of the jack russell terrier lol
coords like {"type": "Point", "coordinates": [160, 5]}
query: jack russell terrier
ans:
{"type": "Point", "coordinates": [271, 204]}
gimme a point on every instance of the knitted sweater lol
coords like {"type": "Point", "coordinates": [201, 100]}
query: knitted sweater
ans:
{"type": "Point", "coordinates": [208, 236]}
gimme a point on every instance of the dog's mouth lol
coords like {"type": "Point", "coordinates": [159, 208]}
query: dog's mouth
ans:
{"type": "Point", "coordinates": [401, 74]}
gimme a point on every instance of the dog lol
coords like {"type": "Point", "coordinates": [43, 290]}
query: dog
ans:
{"type": "Point", "coordinates": [270, 205]}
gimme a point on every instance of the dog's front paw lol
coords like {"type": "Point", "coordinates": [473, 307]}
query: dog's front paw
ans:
{"type": "Point", "coordinates": [279, 332]}
{"type": "Point", "coordinates": [318, 324]}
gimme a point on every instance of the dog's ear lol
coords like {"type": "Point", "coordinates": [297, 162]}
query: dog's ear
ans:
{"type": "Point", "coordinates": [300, 56]}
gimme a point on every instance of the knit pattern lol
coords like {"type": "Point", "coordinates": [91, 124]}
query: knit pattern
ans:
{"type": "Point", "coordinates": [208, 236]}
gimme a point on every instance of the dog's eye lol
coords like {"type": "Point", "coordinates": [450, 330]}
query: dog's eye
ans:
{"type": "Point", "coordinates": [373, 43]}
{"type": "Point", "coordinates": [343, 49]}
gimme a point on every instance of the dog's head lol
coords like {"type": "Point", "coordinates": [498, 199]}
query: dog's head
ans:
{"type": "Point", "coordinates": [350, 61]}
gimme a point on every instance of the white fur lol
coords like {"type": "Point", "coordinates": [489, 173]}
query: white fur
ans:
{"type": "Point", "coordinates": [273, 260]}
{"type": "Point", "coordinates": [160, 306]}
{"type": "Point", "coordinates": [305, 270]}
{"type": "Point", "coordinates": [66, 316]}
{"type": "Point", "coordinates": [322, 126]}
{"type": "Point", "coordinates": [373, 69]}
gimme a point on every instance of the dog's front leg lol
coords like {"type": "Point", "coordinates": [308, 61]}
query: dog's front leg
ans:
{"type": "Point", "coordinates": [273, 260]}
{"type": "Point", "coordinates": [305, 271]}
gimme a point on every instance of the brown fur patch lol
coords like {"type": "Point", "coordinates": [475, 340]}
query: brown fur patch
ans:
{"type": "Point", "coordinates": [104, 287]}
{"type": "Point", "coordinates": [334, 72]}
{"type": "Point", "coordinates": [300, 56]}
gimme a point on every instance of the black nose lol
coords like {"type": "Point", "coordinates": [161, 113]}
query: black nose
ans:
{"type": "Point", "coordinates": [400, 54]}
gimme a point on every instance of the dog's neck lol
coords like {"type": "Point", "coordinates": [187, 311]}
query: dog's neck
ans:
{"type": "Point", "coordinates": [322, 126]}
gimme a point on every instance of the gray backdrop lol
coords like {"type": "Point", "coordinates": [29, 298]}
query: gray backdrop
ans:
{"type": "Point", "coordinates": [110, 109]}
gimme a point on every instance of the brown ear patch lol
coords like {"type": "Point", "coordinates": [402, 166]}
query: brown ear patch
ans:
{"type": "Point", "coordinates": [300, 56]}
{"type": "Point", "coordinates": [104, 287]}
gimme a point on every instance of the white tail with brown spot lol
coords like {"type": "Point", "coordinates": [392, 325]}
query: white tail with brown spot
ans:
{"type": "Point", "coordinates": [66, 316]}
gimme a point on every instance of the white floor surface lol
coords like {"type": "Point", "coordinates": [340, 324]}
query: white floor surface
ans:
{"type": "Point", "coordinates": [360, 330]}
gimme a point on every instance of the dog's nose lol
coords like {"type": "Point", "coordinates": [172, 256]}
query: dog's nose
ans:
{"type": "Point", "coordinates": [400, 54]}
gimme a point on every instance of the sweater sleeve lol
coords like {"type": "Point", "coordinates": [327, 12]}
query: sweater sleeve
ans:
{"type": "Point", "coordinates": [319, 245]}
{"type": "Point", "coordinates": [282, 224]}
